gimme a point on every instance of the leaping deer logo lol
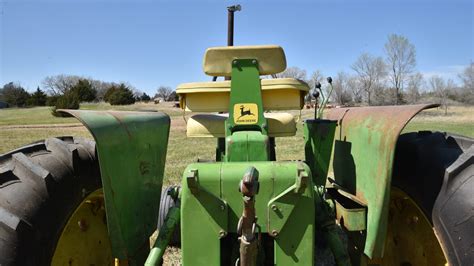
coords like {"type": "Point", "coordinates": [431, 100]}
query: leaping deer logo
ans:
{"type": "Point", "coordinates": [244, 112]}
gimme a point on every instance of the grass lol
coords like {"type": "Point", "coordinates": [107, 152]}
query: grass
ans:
{"type": "Point", "coordinates": [459, 120]}
{"type": "Point", "coordinates": [42, 115]}
{"type": "Point", "coordinates": [31, 116]}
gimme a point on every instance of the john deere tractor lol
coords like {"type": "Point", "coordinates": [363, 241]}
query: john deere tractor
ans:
{"type": "Point", "coordinates": [367, 193]}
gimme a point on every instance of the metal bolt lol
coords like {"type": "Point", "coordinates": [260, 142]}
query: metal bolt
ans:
{"type": "Point", "coordinates": [275, 233]}
{"type": "Point", "coordinates": [254, 62]}
{"type": "Point", "coordinates": [82, 225]}
{"type": "Point", "coordinates": [274, 207]}
{"type": "Point", "coordinates": [222, 233]}
{"type": "Point", "coordinates": [222, 207]}
{"type": "Point", "coordinates": [415, 219]}
{"type": "Point", "coordinates": [234, 62]}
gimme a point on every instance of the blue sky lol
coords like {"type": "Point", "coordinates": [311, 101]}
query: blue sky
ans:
{"type": "Point", "coordinates": [153, 43]}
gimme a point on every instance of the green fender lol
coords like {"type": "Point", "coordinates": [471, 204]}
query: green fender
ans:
{"type": "Point", "coordinates": [131, 147]}
{"type": "Point", "coordinates": [362, 161]}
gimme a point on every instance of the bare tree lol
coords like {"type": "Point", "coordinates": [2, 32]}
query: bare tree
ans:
{"type": "Point", "coordinates": [415, 83]}
{"type": "Point", "coordinates": [370, 70]}
{"type": "Point", "coordinates": [441, 90]}
{"type": "Point", "coordinates": [356, 88]}
{"type": "Point", "coordinates": [60, 84]}
{"type": "Point", "coordinates": [101, 87]}
{"type": "Point", "coordinates": [316, 77]}
{"type": "Point", "coordinates": [467, 79]}
{"type": "Point", "coordinates": [164, 92]}
{"type": "Point", "coordinates": [137, 93]}
{"type": "Point", "coordinates": [401, 59]}
{"type": "Point", "coordinates": [341, 93]}
{"type": "Point", "coordinates": [467, 76]}
{"type": "Point", "coordinates": [293, 72]}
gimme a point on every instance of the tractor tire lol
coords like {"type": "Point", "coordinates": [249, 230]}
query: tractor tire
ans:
{"type": "Point", "coordinates": [41, 185]}
{"type": "Point", "coordinates": [167, 202]}
{"type": "Point", "coordinates": [436, 171]}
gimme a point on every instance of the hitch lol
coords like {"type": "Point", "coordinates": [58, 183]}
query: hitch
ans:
{"type": "Point", "coordinates": [247, 227]}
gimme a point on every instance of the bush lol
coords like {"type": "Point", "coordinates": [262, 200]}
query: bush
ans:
{"type": "Point", "coordinates": [66, 101]}
{"type": "Point", "coordinates": [84, 91]}
{"type": "Point", "coordinates": [14, 95]}
{"type": "Point", "coordinates": [38, 98]}
{"type": "Point", "coordinates": [109, 92]}
{"type": "Point", "coordinates": [145, 98]}
{"type": "Point", "coordinates": [51, 100]}
{"type": "Point", "coordinates": [120, 95]}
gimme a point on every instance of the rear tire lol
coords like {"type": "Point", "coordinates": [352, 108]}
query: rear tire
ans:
{"type": "Point", "coordinates": [436, 170]}
{"type": "Point", "coordinates": [41, 185]}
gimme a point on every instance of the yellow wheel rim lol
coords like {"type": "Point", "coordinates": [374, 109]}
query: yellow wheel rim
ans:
{"type": "Point", "coordinates": [411, 239]}
{"type": "Point", "coordinates": [84, 240]}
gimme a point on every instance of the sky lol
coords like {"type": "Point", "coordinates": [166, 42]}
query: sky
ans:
{"type": "Point", "coordinates": [153, 43]}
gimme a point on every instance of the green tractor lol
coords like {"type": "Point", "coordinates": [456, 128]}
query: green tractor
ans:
{"type": "Point", "coordinates": [367, 193]}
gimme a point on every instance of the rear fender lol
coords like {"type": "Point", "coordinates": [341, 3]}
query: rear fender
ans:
{"type": "Point", "coordinates": [362, 161]}
{"type": "Point", "coordinates": [131, 147]}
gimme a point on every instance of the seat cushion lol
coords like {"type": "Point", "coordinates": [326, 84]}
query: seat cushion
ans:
{"type": "Point", "coordinates": [213, 125]}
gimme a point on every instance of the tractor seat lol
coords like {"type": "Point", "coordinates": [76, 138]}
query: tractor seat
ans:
{"type": "Point", "coordinates": [213, 125]}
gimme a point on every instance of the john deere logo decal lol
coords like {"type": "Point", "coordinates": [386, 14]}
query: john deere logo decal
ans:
{"type": "Point", "coordinates": [245, 114]}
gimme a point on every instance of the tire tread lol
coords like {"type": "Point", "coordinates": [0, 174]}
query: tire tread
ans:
{"type": "Point", "coordinates": [41, 184]}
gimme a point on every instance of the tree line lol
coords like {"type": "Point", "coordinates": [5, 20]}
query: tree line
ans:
{"type": "Point", "coordinates": [68, 91]}
{"type": "Point", "coordinates": [391, 79]}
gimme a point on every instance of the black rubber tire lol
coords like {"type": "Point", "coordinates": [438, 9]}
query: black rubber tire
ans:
{"type": "Point", "coordinates": [41, 184]}
{"type": "Point", "coordinates": [437, 170]}
{"type": "Point", "coordinates": [166, 202]}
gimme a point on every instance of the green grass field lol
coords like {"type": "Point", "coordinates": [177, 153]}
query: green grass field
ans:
{"type": "Point", "coordinates": [22, 126]}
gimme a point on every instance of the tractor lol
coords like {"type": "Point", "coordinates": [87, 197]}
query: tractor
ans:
{"type": "Point", "coordinates": [367, 193]}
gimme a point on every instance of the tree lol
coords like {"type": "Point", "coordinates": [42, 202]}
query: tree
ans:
{"type": "Point", "coordinates": [84, 90]}
{"type": "Point", "coordinates": [164, 92]}
{"type": "Point", "coordinates": [441, 90]}
{"type": "Point", "coordinates": [113, 87]}
{"type": "Point", "coordinates": [415, 82]}
{"type": "Point", "coordinates": [173, 97]}
{"type": "Point", "coordinates": [60, 84]}
{"type": "Point", "coordinates": [100, 87]}
{"type": "Point", "coordinates": [356, 88]}
{"type": "Point", "coordinates": [316, 77]}
{"type": "Point", "coordinates": [370, 71]}
{"type": "Point", "coordinates": [467, 79]}
{"type": "Point", "coordinates": [52, 100]}
{"type": "Point", "coordinates": [68, 100]}
{"type": "Point", "coordinates": [38, 98]}
{"type": "Point", "coordinates": [14, 95]}
{"type": "Point", "coordinates": [136, 92]}
{"type": "Point", "coordinates": [145, 98]}
{"type": "Point", "coordinates": [401, 60]}
{"type": "Point", "coordinates": [293, 72]}
{"type": "Point", "coordinates": [341, 94]}
{"type": "Point", "coordinates": [121, 95]}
